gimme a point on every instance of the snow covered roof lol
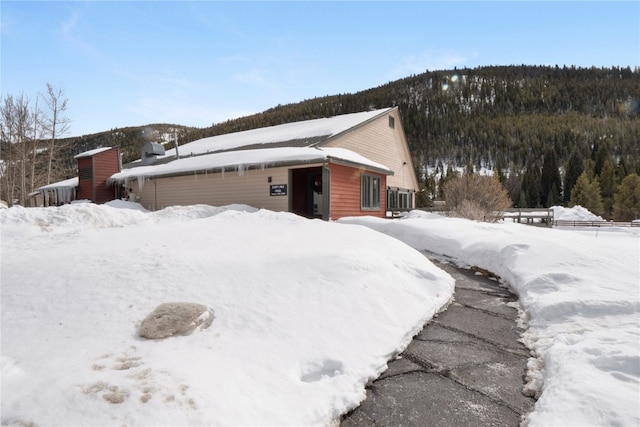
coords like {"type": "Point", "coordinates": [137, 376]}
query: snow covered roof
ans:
{"type": "Point", "coordinates": [289, 143]}
{"type": "Point", "coordinates": [301, 134]}
{"type": "Point", "coordinates": [67, 183]}
{"type": "Point", "coordinates": [245, 159]}
{"type": "Point", "coordinates": [92, 152]}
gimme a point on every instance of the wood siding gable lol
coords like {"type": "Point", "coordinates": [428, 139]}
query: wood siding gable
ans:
{"type": "Point", "coordinates": [378, 141]}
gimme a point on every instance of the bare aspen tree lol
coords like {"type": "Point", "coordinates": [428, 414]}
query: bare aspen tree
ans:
{"type": "Point", "coordinates": [36, 137]}
{"type": "Point", "coordinates": [7, 152]}
{"type": "Point", "coordinates": [56, 124]}
{"type": "Point", "coordinates": [24, 125]}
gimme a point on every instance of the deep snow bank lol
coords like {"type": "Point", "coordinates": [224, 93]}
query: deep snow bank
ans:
{"type": "Point", "coordinates": [306, 312]}
{"type": "Point", "coordinates": [580, 290]}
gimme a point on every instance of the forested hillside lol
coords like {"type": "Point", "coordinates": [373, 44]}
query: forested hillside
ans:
{"type": "Point", "coordinates": [539, 128]}
{"type": "Point", "coordinates": [495, 114]}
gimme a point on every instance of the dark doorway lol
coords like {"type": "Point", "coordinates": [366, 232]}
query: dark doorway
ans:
{"type": "Point", "coordinates": [306, 192]}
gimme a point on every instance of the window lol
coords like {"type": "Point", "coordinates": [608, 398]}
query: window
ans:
{"type": "Point", "coordinates": [392, 199]}
{"type": "Point", "coordinates": [370, 190]}
{"type": "Point", "coordinates": [392, 122]}
{"type": "Point", "coordinates": [399, 199]}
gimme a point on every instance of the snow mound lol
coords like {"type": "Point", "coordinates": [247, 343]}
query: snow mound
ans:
{"type": "Point", "coordinates": [307, 312]}
{"type": "Point", "coordinates": [576, 213]}
{"type": "Point", "coordinates": [579, 293]}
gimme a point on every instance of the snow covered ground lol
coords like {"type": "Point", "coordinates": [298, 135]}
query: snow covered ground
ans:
{"type": "Point", "coordinates": [580, 292]}
{"type": "Point", "coordinates": [306, 312]}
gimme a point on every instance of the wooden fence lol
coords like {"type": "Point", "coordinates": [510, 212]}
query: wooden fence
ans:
{"type": "Point", "coordinates": [544, 217]}
{"type": "Point", "coordinates": [570, 223]}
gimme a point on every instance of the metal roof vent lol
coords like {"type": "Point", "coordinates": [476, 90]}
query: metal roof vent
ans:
{"type": "Point", "coordinates": [151, 150]}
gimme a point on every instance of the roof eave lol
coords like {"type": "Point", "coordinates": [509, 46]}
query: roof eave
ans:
{"type": "Point", "coordinates": [227, 168]}
{"type": "Point", "coordinates": [371, 168]}
{"type": "Point", "coordinates": [255, 166]}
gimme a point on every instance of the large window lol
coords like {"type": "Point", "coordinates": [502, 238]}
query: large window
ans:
{"type": "Point", "coordinates": [370, 192]}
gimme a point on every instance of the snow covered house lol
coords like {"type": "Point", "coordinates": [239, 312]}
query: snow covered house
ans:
{"type": "Point", "coordinates": [95, 167]}
{"type": "Point", "coordinates": [55, 194]}
{"type": "Point", "coordinates": [347, 165]}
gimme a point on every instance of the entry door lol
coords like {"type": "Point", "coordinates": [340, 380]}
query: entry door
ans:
{"type": "Point", "coordinates": [307, 192]}
{"type": "Point", "coordinates": [316, 194]}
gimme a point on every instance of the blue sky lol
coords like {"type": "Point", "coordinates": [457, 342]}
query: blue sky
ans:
{"type": "Point", "coordinates": [197, 63]}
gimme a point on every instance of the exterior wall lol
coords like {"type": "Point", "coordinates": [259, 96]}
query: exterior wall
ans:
{"type": "Point", "coordinates": [105, 164]}
{"type": "Point", "coordinates": [85, 183]}
{"type": "Point", "coordinates": [345, 192]}
{"type": "Point", "coordinates": [379, 142]}
{"type": "Point", "coordinates": [250, 187]}
{"type": "Point", "coordinates": [93, 186]}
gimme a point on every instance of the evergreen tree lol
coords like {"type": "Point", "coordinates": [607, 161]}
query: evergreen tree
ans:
{"type": "Point", "coordinates": [602, 155]}
{"type": "Point", "coordinates": [622, 170]}
{"type": "Point", "coordinates": [550, 182]}
{"type": "Point", "coordinates": [608, 186]}
{"type": "Point", "coordinates": [499, 172]}
{"type": "Point", "coordinates": [586, 194]}
{"type": "Point", "coordinates": [627, 199]}
{"type": "Point", "coordinates": [531, 185]}
{"type": "Point", "coordinates": [574, 169]}
{"type": "Point", "coordinates": [553, 198]}
{"type": "Point", "coordinates": [512, 185]}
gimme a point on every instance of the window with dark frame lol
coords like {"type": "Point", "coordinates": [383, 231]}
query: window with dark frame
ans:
{"type": "Point", "coordinates": [392, 122]}
{"type": "Point", "coordinates": [370, 191]}
{"type": "Point", "coordinates": [399, 199]}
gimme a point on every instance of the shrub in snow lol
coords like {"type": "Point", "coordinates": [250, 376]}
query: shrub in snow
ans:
{"type": "Point", "coordinates": [476, 197]}
{"type": "Point", "coordinates": [175, 318]}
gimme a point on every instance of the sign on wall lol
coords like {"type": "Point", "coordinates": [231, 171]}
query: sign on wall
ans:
{"type": "Point", "coordinates": [278, 189]}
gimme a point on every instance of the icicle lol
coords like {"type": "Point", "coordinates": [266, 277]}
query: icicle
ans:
{"type": "Point", "coordinates": [240, 170]}
{"type": "Point", "coordinates": [140, 182]}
